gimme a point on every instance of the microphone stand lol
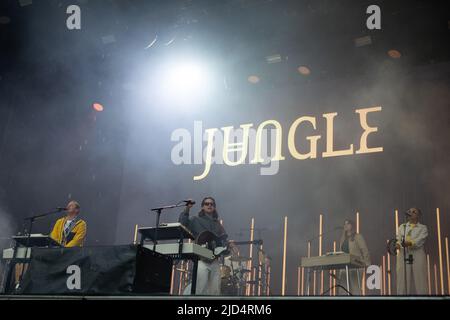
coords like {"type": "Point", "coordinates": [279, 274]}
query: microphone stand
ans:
{"type": "Point", "coordinates": [406, 260]}
{"type": "Point", "coordinates": [30, 228]}
{"type": "Point", "coordinates": [158, 211]}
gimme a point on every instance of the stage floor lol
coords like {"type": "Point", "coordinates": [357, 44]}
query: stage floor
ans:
{"type": "Point", "coordinates": [175, 298]}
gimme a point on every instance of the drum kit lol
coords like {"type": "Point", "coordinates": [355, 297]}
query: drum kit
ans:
{"type": "Point", "coordinates": [233, 274]}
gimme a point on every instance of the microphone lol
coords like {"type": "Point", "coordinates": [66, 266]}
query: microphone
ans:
{"type": "Point", "coordinates": [407, 214]}
{"type": "Point", "coordinates": [338, 228]}
{"type": "Point", "coordinates": [188, 201]}
{"type": "Point", "coordinates": [61, 208]}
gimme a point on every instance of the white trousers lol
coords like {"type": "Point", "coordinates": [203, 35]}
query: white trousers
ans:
{"type": "Point", "coordinates": [208, 279]}
{"type": "Point", "coordinates": [416, 273]}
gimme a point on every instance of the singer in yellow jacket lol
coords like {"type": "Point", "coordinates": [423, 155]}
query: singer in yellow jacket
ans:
{"type": "Point", "coordinates": [70, 231]}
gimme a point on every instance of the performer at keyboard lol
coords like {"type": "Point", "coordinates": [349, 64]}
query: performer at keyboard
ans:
{"type": "Point", "coordinates": [70, 231]}
{"type": "Point", "coordinates": [208, 274]}
{"type": "Point", "coordinates": [416, 235]}
{"type": "Point", "coordinates": [354, 244]}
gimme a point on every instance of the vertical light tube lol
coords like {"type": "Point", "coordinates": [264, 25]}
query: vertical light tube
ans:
{"type": "Point", "coordinates": [429, 274]}
{"type": "Point", "coordinates": [381, 286]}
{"type": "Point", "coordinates": [334, 271]}
{"type": "Point", "coordinates": [384, 275]}
{"type": "Point", "coordinates": [382, 272]}
{"type": "Point", "coordinates": [441, 269]}
{"type": "Point", "coordinates": [314, 284]}
{"type": "Point", "coordinates": [171, 278]}
{"type": "Point", "coordinates": [435, 280]}
{"type": "Point", "coordinates": [363, 277]}
{"type": "Point", "coordinates": [396, 228]}
{"type": "Point", "coordinates": [260, 271]}
{"type": "Point", "coordinates": [357, 222]}
{"type": "Point", "coordinates": [396, 222]}
{"type": "Point", "coordinates": [303, 281]}
{"type": "Point", "coordinates": [320, 249]}
{"type": "Point", "coordinates": [330, 282]}
{"type": "Point", "coordinates": [309, 272]}
{"type": "Point", "coordinates": [363, 283]}
{"type": "Point", "coordinates": [389, 272]}
{"type": "Point", "coordinates": [448, 265]}
{"type": "Point", "coordinates": [268, 280]}
{"type": "Point", "coordinates": [320, 233]}
{"type": "Point", "coordinates": [298, 280]}
{"type": "Point", "coordinates": [252, 286]}
{"type": "Point", "coordinates": [249, 263]}
{"type": "Point", "coordinates": [283, 284]}
{"type": "Point", "coordinates": [135, 234]}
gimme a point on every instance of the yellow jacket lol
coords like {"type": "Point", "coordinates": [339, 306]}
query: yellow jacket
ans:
{"type": "Point", "coordinates": [76, 236]}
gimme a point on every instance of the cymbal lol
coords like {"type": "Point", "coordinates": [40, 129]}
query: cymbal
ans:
{"type": "Point", "coordinates": [240, 259]}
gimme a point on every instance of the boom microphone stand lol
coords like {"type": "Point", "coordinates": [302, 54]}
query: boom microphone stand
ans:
{"type": "Point", "coordinates": [158, 211]}
{"type": "Point", "coordinates": [30, 228]}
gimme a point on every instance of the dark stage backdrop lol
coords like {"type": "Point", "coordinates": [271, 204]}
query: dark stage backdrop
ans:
{"type": "Point", "coordinates": [118, 164]}
{"type": "Point", "coordinates": [412, 170]}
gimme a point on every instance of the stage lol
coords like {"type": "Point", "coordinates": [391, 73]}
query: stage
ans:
{"type": "Point", "coordinates": [289, 150]}
{"type": "Point", "coordinates": [223, 298]}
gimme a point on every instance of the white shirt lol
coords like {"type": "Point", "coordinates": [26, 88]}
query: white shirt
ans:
{"type": "Point", "coordinates": [68, 222]}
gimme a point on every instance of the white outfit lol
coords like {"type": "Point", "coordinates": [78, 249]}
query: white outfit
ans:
{"type": "Point", "coordinates": [416, 272]}
{"type": "Point", "coordinates": [208, 279]}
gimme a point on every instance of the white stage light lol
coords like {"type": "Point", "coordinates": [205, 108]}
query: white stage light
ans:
{"type": "Point", "coordinates": [185, 82]}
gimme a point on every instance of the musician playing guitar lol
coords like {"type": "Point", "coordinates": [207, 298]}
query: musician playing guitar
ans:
{"type": "Point", "coordinates": [205, 224]}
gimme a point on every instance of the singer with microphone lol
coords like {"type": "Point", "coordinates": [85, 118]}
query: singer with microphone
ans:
{"type": "Point", "coordinates": [208, 274]}
{"type": "Point", "coordinates": [411, 237]}
{"type": "Point", "coordinates": [70, 231]}
{"type": "Point", "coordinates": [354, 244]}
